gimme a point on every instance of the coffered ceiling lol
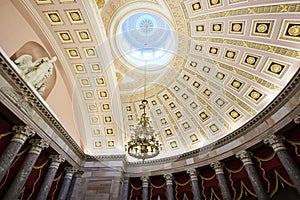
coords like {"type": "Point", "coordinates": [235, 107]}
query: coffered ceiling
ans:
{"type": "Point", "coordinates": [230, 59]}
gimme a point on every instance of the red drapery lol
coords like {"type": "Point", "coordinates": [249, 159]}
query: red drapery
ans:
{"type": "Point", "coordinates": [270, 169]}
{"type": "Point", "coordinates": [209, 184]}
{"type": "Point", "coordinates": [5, 133]}
{"type": "Point", "coordinates": [135, 189]}
{"type": "Point", "coordinates": [183, 186]}
{"type": "Point", "coordinates": [57, 182]}
{"type": "Point", "coordinates": [158, 188]}
{"type": "Point", "coordinates": [36, 177]}
{"type": "Point", "coordinates": [237, 179]}
{"type": "Point", "coordinates": [15, 166]}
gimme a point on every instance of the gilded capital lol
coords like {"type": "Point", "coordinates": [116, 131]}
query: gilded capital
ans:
{"type": "Point", "coordinates": [275, 141]}
{"type": "Point", "coordinates": [245, 157]}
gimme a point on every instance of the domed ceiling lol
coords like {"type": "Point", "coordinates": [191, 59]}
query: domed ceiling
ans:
{"type": "Point", "coordinates": [211, 65]}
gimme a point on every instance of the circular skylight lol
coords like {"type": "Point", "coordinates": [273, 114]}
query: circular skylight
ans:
{"type": "Point", "coordinates": [145, 37]}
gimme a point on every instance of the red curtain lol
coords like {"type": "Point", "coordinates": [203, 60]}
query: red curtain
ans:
{"type": "Point", "coordinates": [158, 188]}
{"type": "Point", "coordinates": [15, 166]}
{"type": "Point", "coordinates": [237, 179]}
{"type": "Point", "coordinates": [183, 186]}
{"type": "Point", "coordinates": [5, 133]}
{"type": "Point", "coordinates": [36, 177]}
{"type": "Point", "coordinates": [270, 168]}
{"type": "Point", "coordinates": [209, 184]}
{"type": "Point", "coordinates": [292, 143]}
{"type": "Point", "coordinates": [57, 182]}
{"type": "Point", "coordinates": [135, 189]}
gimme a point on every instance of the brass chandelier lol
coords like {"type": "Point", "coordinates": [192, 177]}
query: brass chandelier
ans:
{"type": "Point", "coordinates": [143, 143]}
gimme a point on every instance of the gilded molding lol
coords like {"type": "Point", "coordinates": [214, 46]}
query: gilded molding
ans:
{"type": "Point", "coordinates": [268, 48]}
{"type": "Point", "coordinates": [252, 10]}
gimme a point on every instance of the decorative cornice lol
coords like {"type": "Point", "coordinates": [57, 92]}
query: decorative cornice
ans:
{"type": "Point", "coordinates": [120, 157]}
{"type": "Point", "coordinates": [8, 70]}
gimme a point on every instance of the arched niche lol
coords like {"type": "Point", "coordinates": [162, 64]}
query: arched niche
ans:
{"type": "Point", "coordinates": [37, 51]}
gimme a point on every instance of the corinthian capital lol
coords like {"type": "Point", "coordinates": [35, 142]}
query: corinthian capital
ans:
{"type": "Point", "coordinates": [192, 173]}
{"type": "Point", "coordinates": [245, 157]}
{"type": "Point", "coordinates": [275, 141]}
{"type": "Point", "coordinates": [218, 167]}
{"type": "Point", "coordinates": [145, 180]}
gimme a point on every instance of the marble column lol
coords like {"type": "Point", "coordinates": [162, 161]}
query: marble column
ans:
{"type": "Point", "coordinates": [21, 134]}
{"type": "Point", "coordinates": [66, 183]}
{"type": "Point", "coordinates": [75, 178]}
{"type": "Point", "coordinates": [276, 142]}
{"type": "Point", "coordinates": [218, 167]}
{"type": "Point", "coordinates": [195, 184]}
{"type": "Point", "coordinates": [145, 182]}
{"type": "Point", "coordinates": [169, 181]}
{"type": "Point", "coordinates": [125, 188]}
{"type": "Point", "coordinates": [20, 179]}
{"type": "Point", "coordinates": [245, 157]}
{"type": "Point", "coordinates": [56, 160]}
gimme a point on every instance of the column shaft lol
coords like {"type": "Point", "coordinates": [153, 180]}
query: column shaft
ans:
{"type": "Point", "coordinates": [245, 157]}
{"type": "Point", "coordinates": [276, 142]}
{"type": "Point", "coordinates": [145, 193]}
{"type": "Point", "coordinates": [224, 187]}
{"type": "Point", "coordinates": [9, 154]}
{"type": "Point", "coordinates": [195, 184]}
{"type": "Point", "coordinates": [170, 192]}
{"type": "Point", "coordinates": [23, 173]}
{"type": "Point", "coordinates": [125, 189]}
{"type": "Point", "coordinates": [218, 167]}
{"type": "Point", "coordinates": [145, 184]}
{"type": "Point", "coordinates": [66, 183]}
{"type": "Point", "coordinates": [256, 183]}
{"type": "Point", "coordinates": [74, 180]}
{"type": "Point", "coordinates": [169, 181]}
{"type": "Point", "coordinates": [46, 185]}
{"type": "Point", "coordinates": [196, 191]}
{"type": "Point", "coordinates": [290, 167]}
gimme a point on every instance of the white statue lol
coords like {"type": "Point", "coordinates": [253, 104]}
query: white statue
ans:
{"type": "Point", "coordinates": [36, 72]}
